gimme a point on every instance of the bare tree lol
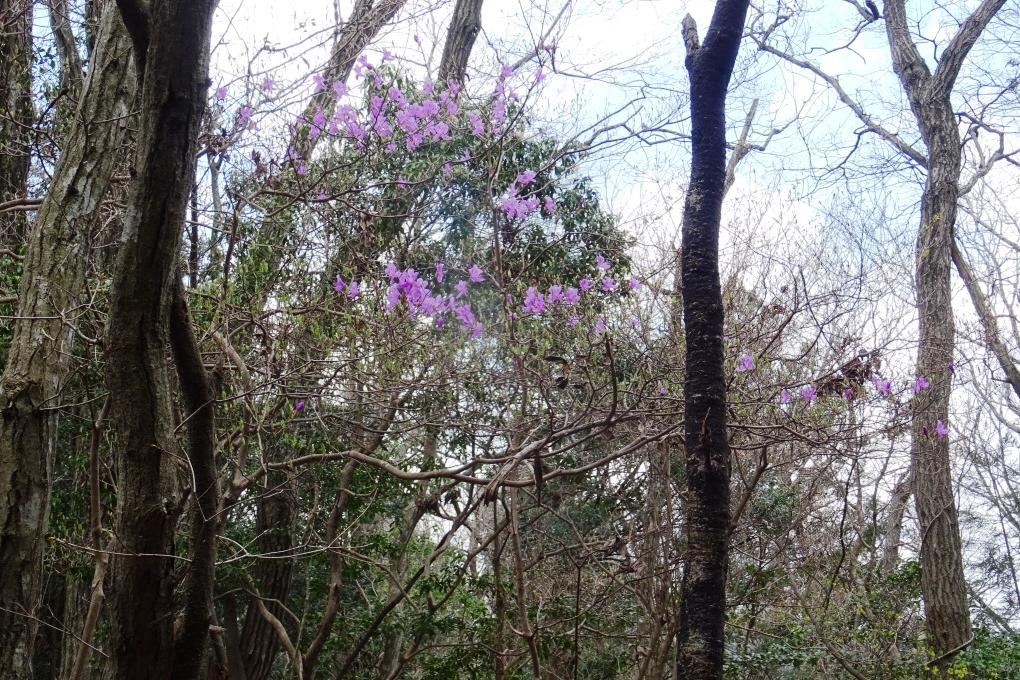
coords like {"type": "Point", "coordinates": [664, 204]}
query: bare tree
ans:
{"type": "Point", "coordinates": [700, 639]}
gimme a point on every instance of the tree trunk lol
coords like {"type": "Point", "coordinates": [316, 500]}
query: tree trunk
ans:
{"type": "Point", "coordinates": [707, 500]}
{"type": "Point", "coordinates": [171, 43]}
{"type": "Point", "coordinates": [37, 360]}
{"type": "Point", "coordinates": [460, 38]}
{"type": "Point", "coordinates": [16, 114]}
{"type": "Point", "coordinates": [943, 585]}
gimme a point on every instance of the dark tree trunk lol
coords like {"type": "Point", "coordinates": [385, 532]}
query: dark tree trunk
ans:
{"type": "Point", "coordinates": [707, 500]}
{"type": "Point", "coordinates": [460, 39]}
{"type": "Point", "coordinates": [943, 584]}
{"type": "Point", "coordinates": [171, 42]}
{"type": "Point", "coordinates": [37, 361]}
{"type": "Point", "coordinates": [16, 114]}
{"type": "Point", "coordinates": [274, 526]}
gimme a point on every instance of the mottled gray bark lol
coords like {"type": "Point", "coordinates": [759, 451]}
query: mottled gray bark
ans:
{"type": "Point", "coordinates": [16, 113]}
{"type": "Point", "coordinates": [37, 363]}
{"type": "Point", "coordinates": [943, 585]}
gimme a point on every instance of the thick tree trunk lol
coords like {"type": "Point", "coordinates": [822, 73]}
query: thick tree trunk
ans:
{"type": "Point", "coordinates": [36, 366]}
{"type": "Point", "coordinates": [707, 501]}
{"type": "Point", "coordinates": [16, 114]}
{"type": "Point", "coordinates": [460, 39]}
{"type": "Point", "coordinates": [171, 42]}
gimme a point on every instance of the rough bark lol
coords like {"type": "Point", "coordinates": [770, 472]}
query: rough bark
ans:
{"type": "Point", "coordinates": [274, 525]}
{"type": "Point", "coordinates": [37, 361]}
{"type": "Point", "coordinates": [460, 39]}
{"type": "Point", "coordinates": [16, 113]}
{"type": "Point", "coordinates": [707, 500]}
{"type": "Point", "coordinates": [943, 585]}
{"type": "Point", "coordinates": [171, 44]}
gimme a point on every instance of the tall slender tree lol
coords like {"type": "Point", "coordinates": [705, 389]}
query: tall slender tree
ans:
{"type": "Point", "coordinates": [943, 583]}
{"type": "Point", "coordinates": [707, 502]}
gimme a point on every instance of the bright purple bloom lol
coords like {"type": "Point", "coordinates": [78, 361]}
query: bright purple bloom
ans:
{"type": "Point", "coordinates": [809, 393]}
{"type": "Point", "coordinates": [941, 429]}
{"type": "Point", "coordinates": [475, 274]}
{"type": "Point", "coordinates": [600, 326]}
{"type": "Point", "coordinates": [506, 71]}
{"type": "Point", "coordinates": [584, 284]}
{"type": "Point", "coordinates": [921, 384]}
{"type": "Point", "coordinates": [784, 396]}
{"type": "Point", "coordinates": [299, 406]}
{"type": "Point", "coordinates": [339, 284]}
{"type": "Point", "coordinates": [320, 82]}
{"type": "Point", "coordinates": [245, 113]}
{"type": "Point", "coordinates": [633, 282]}
{"type": "Point", "coordinates": [268, 84]}
{"type": "Point", "coordinates": [608, 283]}
{"type": "Point", "coordinates": [477, 127]}
{"type": "Point", "coordinates": [571, 296]}
{"type": "Point", "coordinates": [392, 271]}
{"type": "Point", "coordinates": [848, 393]}
{"type": "Point", "coordinates": [745, 362]}
{"type": "Point", "coordinates": [550, 205]}
{"type": "Point", "coordinates": [461, 288]}
{"type": "Point", "coordinates": [525, 178]}
{"type": "Point", "coordinates": [534, 302]}
{"type": "Point", "coordinates": [554, 295]}
{"type": "Point", "coordinates": [602, 263]}
{"type": "Point", "coordinates": [353, 290]}
{"type": "Point", "coordinates": [221, 92]}
{"type": "Point", "coordinates": [884, 387]}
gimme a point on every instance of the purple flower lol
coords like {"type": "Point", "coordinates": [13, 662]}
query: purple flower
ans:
{"type": "Point", "coordinates": [461, 288]}
{"type": "Point", "coordinates": [476, 274]}
{"type": "Point", "coordinates": [320, 82]}
{"type": "Point", "coordinates": [391, 271]}
{"type": "Point", "coordinates": [534, 302]}
{"type": "Point", "coordinates": [848, 393]}
{"type": "Point", "coordinates": [602, 263]}
{"type": "Point", "coordinates": [245, 113]}
{"type": "Point", "coordinates": [809, 393]}
{"type": "Point", "coordinates": [440, 272]}
{"type": "Point", "coordinates": [633, 282]}
{"type": "Point", "coordinates": [301, 169]}
{"type": "Point", "coordinates": [951, 367]}
{"type": "Point", "coordinates": [555, 294]}
{"type": "Point", "coordinates": [339, 284]}
{"type": "Point", "coordinates": [506, 71]}
{"type": "Point", "coordinates": [884, 387]}
{"type": "Point", "coordinates": [340, 88]}
{"type": "Point", "coordinates": [584, 284]}
{"type": "Point", "coordinates": [784, 396]}
{"type": "Point", "coordinates": [921, 384]}
{"type": "Point", "coordinates": [571, 296]}
{"type": "Point", "coordinates": [745, 362]}
{"type": "Point", "coordinates": [608, 284]}
{"type": "Point", "coordinates": [353, 290]}
{"type": "Point", "coordinates": [392, 297]}
{"type": "Point", "coordinates": [299, 406]}
{"type": "Point", "coordinates": [525, 178]}
{"type": "Point", "coordinates": [600, 326]}
{"type": "Point", "coordinates": [268, 84]}
{"type": "Point", "coordinates": [550, 205]}
{"type": "Point", "coordinates": [221, 92]}
{"type": "Point", "coordinates": [941, 429]}
{"type": "Point", "coordinates": [573, 320]}
{"type": "Point", "coordinates": [477, 127]}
